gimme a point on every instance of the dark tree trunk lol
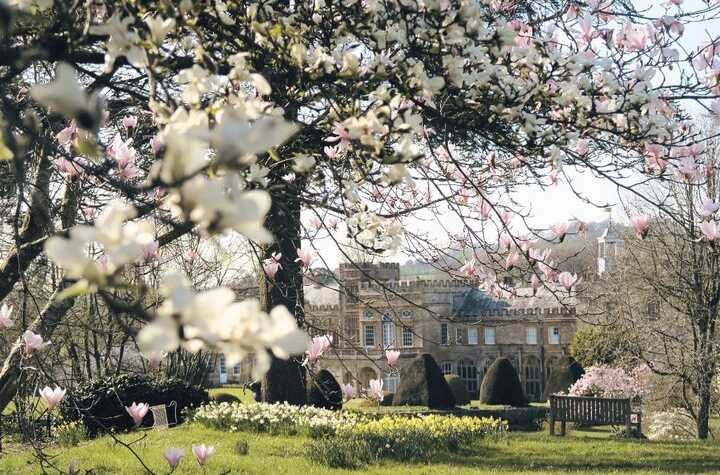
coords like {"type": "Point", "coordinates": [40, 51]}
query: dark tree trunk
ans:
{"type": "Point", "coordinates": [285, 381]}
{"type": "Point", "coordinates": [703, 406]}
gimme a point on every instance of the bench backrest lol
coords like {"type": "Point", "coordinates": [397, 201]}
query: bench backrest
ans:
{"type": "Point", "coordinates": [590, 410]}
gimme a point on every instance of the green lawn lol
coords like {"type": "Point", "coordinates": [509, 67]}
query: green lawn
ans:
{"type": "Point", "coordinates": [587, 451]}
{"type": "Point", "coordinates": [245, 395]}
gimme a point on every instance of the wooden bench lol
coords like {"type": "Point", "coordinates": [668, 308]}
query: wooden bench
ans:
{"type": "Point", "coordinates": [592, 411]}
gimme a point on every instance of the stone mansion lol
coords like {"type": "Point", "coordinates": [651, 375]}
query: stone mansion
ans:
{"type": "Point", "coordinates": [462, 327]}
{"type": "Point", "coordinates": [368, 308]}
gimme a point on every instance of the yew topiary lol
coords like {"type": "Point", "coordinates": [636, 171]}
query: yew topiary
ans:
{"type": "Point", "coordinates": [501, 385]}
{"type": "Point", "coordinates": [423, 384]}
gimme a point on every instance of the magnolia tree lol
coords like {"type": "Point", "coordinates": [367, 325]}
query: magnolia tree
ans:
{"type": "Point", "coordinates": [131, 124]}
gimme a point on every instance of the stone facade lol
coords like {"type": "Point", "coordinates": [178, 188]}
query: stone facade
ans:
{"type": "Point", "coordinates": [462, 327]}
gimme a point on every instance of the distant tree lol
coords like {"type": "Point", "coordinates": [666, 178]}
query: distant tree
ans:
{"type": "Point", "coordinates": [602, 345]}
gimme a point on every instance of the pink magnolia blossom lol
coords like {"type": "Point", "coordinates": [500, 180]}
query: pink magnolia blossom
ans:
{"type": "Point", "coordinates": [505, 241]}
{"type": "Point", "coordinates": [548, 271]}
{"type": "Point", "coordinates": [129, 122]}
{"type": "Point", "coordinates": [317, 347]}
{"type": "Point", "coordinates": [202, 453]}
{"type": "Point", "coordinates": [708, 208]}
{"type": "Point", "coordinates": [272, 265]}
{"type": "Point", "coordinates": [559, 230]}
{"type": "Point", "coordinates": [89, 213]}
{"type": "Point", "coordinates": [485, 209]}
{"type": "Point", "coordinates": [173, 456]}
{"type": "Point", "coordinates": [348, 391]}
{"type": "Point", "coordinates": [641, 223]}
{"type": "Point", "coordinates": [33, 342]}
{"type": "Point", "coordinates": [305, 256]}
{"type": "Point", "coordinates": [511, 260]}
{"type": "Point", "coordinates": [52, 397]}
{"type": "Point", "coordinates": [375, 391]}
{"type": "Point", "coordinates": [604, 381]}
{"type": "Point", "coordinates": [154, 358]}
{"type": "Point", "coordinates": [150, 251]}
{"type": "Point", "coordinates": [68, 135]}
{"type": "Point", "coordinates": [567, 280]}
{"type": "Point", "coordinates": [68, 168]}
{"type": "Point", "coordinates": [709, 229]}
{"type": "Point", "coordinates": [6, 320]}
{"type": "Point", "coordinates": [687, 169]}
{"type": "Point", "coordinates": [587, 32]}
{"type": "Point", "coordinates": [137, 411]}
{"type": "Point", "coordinates": [653, 158]}
{"type": "Point", "coordinates": [156, 144]}
{"type": "Point", "coordinates": [392, 357]}
{"type": "Point", "coordinates": [341, 137]}
{"type": "Point", "coordinates": [469, 269]}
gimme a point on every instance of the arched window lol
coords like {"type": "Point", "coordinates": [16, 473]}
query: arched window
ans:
{"type": "Point", "coordinates": [467, 372]}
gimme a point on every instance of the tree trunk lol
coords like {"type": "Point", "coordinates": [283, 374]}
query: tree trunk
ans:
{"type": "Point", "coordinates": [703, 407]}
{"type": "Point", "coordinates": [285, 381]}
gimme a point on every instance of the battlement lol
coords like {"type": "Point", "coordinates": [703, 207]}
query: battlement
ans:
{"type": "Point", "coordinates": [408, 285]}
{"type": "Point", "coordinates": [523, 312]}
{"type": "Point", "coordinates": [323, 308]}
{"type": "Point", "coordinates": [369, 265]}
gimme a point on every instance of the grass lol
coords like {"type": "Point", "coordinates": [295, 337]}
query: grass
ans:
{"type": "Point", "coordinates": [245, 395]}
{"type": "Point", "coordinates": [582, 451]}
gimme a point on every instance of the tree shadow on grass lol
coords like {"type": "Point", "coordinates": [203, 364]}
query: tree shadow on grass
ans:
{"type": "Point", "coordinates": [635, 456]}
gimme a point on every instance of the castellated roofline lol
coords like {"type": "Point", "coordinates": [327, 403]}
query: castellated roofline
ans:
{"type": "Point", "coordinates": [413, 284]}
{"type": "Point", "coordinates": [524, 312]}
{"type": "Point", "coordinates": [368, 265]}
{"type": "Point", "coordinates": [505, 312]}
{"type": "Point", "coordinates": [322, 307]}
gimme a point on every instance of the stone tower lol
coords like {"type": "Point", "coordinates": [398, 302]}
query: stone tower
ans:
{"type": "Point", "coordinates": [610, 245]}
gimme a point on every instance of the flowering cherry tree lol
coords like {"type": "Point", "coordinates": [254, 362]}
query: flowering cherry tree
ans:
{"type": "Point", "coordinates": [129, 125]}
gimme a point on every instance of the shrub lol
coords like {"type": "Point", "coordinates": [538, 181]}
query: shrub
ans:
{"type": "Point", "coordinates": [100, 404]}
{"type": "Point", "coordinates": [401, 438]}
{"type": "Point", "coordinates": [69, 434]}
{"type": "Point", "coordinates": [501, 385]}
{"type": "Point", "coordinates": [460, 392]}
{"type": "Point", "coordinates": [423, 384]}
{"type": "Point", "coordinates": [324, 391]}
{"type": "Point", "coordinates": [673, 424]}
{"type": "Point", "coordinates": [224, 397]}
{"type": "Point", "coordinates": [562, 376]}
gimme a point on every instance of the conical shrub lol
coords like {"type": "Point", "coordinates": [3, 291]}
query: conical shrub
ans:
{"type": "Point", "coordinates": [501, 385]}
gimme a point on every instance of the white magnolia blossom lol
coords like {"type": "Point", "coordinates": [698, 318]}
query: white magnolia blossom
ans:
{"type": "Point", "coordinates": [122, 41]}
{"type": "Point", "coordinates": [235, 137]}
{"type": "Point", "coordinates": [213, 319]}
{"type": "Point", "coordinates": [303, 163]}
{"type": "Point", "coordinates": [159, 28]}
{"type": "Point", "coordinates": [66, 96]}
{"type": "Point", "coordinates": [122, 243]}
{"type": "Point", "coordinates": [219, 205]}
